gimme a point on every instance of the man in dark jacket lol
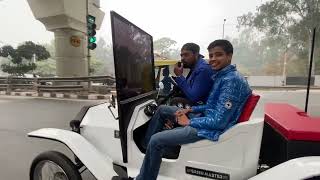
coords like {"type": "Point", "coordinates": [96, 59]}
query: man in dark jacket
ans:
{"type": "Point", "coordinates": [196, 86]}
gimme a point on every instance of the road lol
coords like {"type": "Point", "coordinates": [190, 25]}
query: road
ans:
{"type": "Point", "coordinates": [20, 115]}
{"type": "Point", "coordinates": [296, 98]}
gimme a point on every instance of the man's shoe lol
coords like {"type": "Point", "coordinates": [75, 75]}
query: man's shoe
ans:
{"type": "Point", "coordinates": [121, 178]}
{"type": "Point", "coordinates": [129, 178]}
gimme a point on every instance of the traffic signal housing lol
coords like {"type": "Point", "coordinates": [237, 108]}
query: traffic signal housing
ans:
{"type": "Point", "coordinates": [91, 32]}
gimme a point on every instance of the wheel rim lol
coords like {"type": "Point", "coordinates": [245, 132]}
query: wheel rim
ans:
{"type": "Point", "coordinates": [48, 170]}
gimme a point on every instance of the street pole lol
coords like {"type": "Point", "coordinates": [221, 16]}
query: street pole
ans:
{"type": "Point", "coordinates": [284, 76]}
{"type": "Point", "coordinates": [88, 50]}
{"type": "Point", "coordinates": [224, 21]}
{"type": "Point", "coordinates": [34, 58]}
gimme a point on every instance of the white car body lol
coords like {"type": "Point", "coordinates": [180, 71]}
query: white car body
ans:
{"type": "Point", "coordinates": [234, 156]}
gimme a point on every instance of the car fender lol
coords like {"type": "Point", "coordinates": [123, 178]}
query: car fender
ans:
{"type": "Point", "coordinates": [294, 169]}
{"type": "Point", "coordinates": [98, 164]}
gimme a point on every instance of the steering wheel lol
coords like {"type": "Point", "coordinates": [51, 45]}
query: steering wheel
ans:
{"type": "Point", "coordinates": [181, 102]}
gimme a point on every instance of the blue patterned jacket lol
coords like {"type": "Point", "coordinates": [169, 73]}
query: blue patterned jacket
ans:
{"type": "Point", "coordinates": [224, 105]}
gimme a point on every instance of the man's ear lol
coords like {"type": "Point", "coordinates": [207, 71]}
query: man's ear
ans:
{"type": "Point", "coordinates": [229, 57]}
{"type": "Point", "coordinates": [196, 55]}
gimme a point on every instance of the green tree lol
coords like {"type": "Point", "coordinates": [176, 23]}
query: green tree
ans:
{"type": "Point", "coordinates": [97, 67]}
{"type": "Point", "coordinates": [21, 57]}
{"type": "Point", "coordinates": [247, 53]}
{"type": "Point", "coordinates": [287, 24]}
{"type": "Point", "coordinates": [102, 59]}
{"type": "Point", "coordinates": [47, 68]}
{"type": "Point", "coordinates": [293, 18]}
{"type": "Point", "coordinates": [165, 48]}
{"type": "Point", "coordinates": [50, 47]}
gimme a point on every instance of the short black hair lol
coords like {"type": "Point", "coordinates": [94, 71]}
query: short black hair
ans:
{"type": "Point", "coordinates": [224, 44]}
{"type": "Point", "coordinates": [194, 48]}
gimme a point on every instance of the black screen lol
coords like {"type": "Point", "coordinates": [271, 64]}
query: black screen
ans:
{"type": "Point", "coordinates": [133, 59]}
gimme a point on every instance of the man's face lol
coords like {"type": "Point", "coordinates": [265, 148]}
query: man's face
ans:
{"type": "Point", "coordinates": [218, 58]}
{"type": "Point", "coordinates": [188, 58]}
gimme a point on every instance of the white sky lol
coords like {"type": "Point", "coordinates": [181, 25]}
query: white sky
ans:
{"type": "Point", "coordinates": [181, 20]}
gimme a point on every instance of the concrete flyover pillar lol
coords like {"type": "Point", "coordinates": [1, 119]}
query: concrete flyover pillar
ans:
{"type": "Point", "coordinates": [71, 53]}
{"type": "Point", "coordinates": [67, 19]}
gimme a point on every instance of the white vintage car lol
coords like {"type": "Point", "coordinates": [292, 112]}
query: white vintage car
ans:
{"type": "Point", "coordinates": [105, 137]}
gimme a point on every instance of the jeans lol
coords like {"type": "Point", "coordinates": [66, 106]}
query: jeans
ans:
{"type": "Point", "coordinates": [158, 141]}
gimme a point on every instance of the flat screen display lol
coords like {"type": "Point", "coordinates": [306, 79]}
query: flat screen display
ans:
{"type": "Point", "coordinates": [133, 59]}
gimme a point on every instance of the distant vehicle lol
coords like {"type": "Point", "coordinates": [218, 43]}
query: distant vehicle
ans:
{"type": "Point", "coordinates": [30, 76]}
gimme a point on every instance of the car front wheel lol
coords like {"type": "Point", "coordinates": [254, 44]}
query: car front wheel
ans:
{"type": "Point", "coordinates": [52, 165]}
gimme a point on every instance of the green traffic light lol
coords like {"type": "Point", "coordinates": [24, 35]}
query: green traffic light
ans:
{"type": "Point", "coordinates": [91, 19]}
{"type": "Point", "coordinates": [92, 39]}
{"type": "Point", "coordinates": [91, 32]}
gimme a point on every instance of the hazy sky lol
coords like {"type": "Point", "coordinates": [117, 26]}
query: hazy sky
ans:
{"type": "Point", "coordinates": [181, 20]}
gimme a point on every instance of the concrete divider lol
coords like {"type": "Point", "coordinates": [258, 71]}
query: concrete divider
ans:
{"type": "Point", "coordinates": [270, 81]}
{"type": "Point", "coordinates": [58, 95]}
{"type": "Point", "coordinates": [317, 80]}
{"type": "Point", "coordinates": [277, 81]}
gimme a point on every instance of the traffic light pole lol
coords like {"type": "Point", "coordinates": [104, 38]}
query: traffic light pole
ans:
{"type": "Point", "coordinates": [88, 50]}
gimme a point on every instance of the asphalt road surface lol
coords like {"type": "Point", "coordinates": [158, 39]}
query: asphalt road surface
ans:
{"type": "Point", "coordinates": [20, 115]}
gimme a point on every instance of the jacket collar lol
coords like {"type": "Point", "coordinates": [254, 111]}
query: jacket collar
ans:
{"type": "Point", "coordinates": [224, 71]}
{"type": "Point", "coordinates": [199, 61]}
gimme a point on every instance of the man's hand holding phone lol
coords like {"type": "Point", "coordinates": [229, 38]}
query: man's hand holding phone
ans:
{"type": "Point", "coordinates": [178, 69]}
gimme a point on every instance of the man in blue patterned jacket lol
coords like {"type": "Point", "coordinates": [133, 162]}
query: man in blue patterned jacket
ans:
{"type": "Point", "coordinates": [221, 111]}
